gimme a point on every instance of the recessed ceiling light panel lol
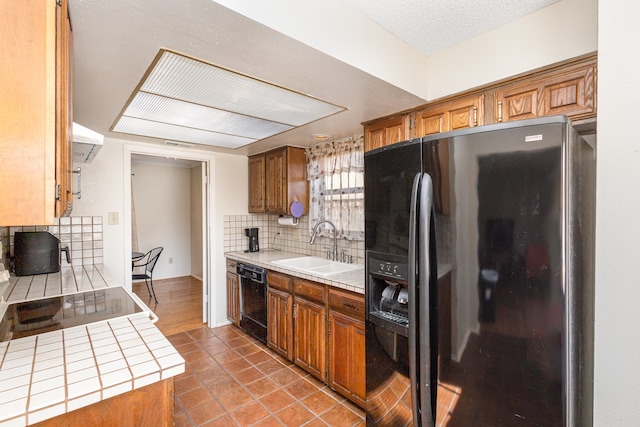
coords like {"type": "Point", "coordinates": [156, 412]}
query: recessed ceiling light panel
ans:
{"type": "Point", "coordinates": [181, 94]}
{"type": "Point", "coordinates": [169, 110]}
{"type": "Point", "coordinates": [135, 126]}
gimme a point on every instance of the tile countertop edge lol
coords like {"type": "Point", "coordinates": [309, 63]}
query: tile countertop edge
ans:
{"type": "Point", "coordinates": [50, 374]}
{"type": "Point", "coordinates": [352, 280]}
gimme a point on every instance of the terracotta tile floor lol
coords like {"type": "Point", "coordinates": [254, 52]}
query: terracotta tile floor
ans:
{"type": "Point", "coordinates": [231, 379]}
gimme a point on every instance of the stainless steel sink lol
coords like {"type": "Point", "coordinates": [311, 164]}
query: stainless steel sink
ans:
{"type": "Point", "coordinates": [316, 265]}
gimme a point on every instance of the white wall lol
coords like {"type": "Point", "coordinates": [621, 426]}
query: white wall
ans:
{"type": "Point", "coordinates": [230, 180]}
{"type": "Point", "coordinates": [196, 221]}
{"type": "Point", "coordinates": [335, 28]}
{"type": "Point", "coordinates": [104, 191]}
{"type": "Point", "coordinates": [162, 198]}
{"type": "Point", "coordinates": [617, 341]}
{"type": "Point", "coordinates": [561, 31]}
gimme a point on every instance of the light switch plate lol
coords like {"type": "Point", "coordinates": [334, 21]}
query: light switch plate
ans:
{"type": "Point", "coordinates": [113, 218]}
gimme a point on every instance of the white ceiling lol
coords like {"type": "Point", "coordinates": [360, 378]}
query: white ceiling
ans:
{"type": "Point", "coordinates": [116, 40]}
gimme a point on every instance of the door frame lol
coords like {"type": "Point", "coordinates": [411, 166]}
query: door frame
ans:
{"type": "Point", "coordinates": [207, 161]}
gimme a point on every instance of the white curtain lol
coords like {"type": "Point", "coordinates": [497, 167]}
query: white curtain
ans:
{"type": "Point", "coordinates": [335, 172]}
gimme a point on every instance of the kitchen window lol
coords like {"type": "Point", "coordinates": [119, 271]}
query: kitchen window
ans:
{"type": "Point", "coordinates": [336, 186]}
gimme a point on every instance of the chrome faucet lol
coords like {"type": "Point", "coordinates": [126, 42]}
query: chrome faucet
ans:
{"type": "Point", "coordinates": [335, 234]}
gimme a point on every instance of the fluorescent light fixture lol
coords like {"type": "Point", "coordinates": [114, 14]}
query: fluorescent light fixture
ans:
{"type": "Point", "coordinates": [184, 99]}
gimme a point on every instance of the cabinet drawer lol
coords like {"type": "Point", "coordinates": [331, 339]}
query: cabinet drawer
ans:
{"type": "Point", "coordinates": [279, 281]}
{"type": "Point", "coordinates": [309, 290]}
{"type": "Point", "coordinates": [231, 265]}
{"type": "Point", "coordinates": [347, 302]}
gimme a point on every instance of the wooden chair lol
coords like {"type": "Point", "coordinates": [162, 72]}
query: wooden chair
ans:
{"type": "Point", "coordinates": [148, 261]}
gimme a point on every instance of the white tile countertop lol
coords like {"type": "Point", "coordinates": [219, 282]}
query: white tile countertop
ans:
{"type": "Point", "coordinates": [351, 280]}
{"type": "Point", "coordinates": [49, 374]}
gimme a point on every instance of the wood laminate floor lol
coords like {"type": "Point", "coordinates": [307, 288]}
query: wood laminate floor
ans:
{"type": "Point", "coordinates": [230, 378]}
{"type": "Point", "coordinates": [179, 305]}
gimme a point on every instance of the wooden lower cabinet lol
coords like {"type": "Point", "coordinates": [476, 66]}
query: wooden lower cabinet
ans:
{"type": "Point", "coordinates": [310, 337]}
{"type": "Point", "coordinates": [321, 329]}
{"type": "Point", "coordinates": [151, 405]}
{"type": "Point", "coordinates": [233, 298]}
{"type": "Point", "coordinates": [347, 357]}
{"type": "Point", "coordinates": [280, 322]}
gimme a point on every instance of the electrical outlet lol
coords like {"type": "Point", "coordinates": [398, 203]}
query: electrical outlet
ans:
{"type": "Point", "coordinates": [170, 260]}
{"type": "Point", "coordinates": [113, 218]}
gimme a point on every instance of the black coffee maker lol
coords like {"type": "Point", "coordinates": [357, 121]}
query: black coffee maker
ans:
{"type": "Point", "coordinates": [252, 234]}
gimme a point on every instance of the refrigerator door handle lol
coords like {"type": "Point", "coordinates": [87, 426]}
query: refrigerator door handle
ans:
{"type": "Point", "coordinates": [411, 285]}
{"type": "Point", "coordinates": [427, 309]}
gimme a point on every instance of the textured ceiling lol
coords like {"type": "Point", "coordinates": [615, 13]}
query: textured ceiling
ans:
{"type": "Point", "coordinates": [434, 25]}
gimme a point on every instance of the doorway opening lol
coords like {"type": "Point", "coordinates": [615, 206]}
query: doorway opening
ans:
{"type": "Point", "coordinates": [167, 205]}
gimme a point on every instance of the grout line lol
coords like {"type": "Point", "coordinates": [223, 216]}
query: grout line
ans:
{"type": "Point", "coordinates": [340, 401]}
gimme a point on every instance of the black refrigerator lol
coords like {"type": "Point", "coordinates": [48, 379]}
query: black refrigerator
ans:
{"type": "Point", "coordinates": [479, 277]}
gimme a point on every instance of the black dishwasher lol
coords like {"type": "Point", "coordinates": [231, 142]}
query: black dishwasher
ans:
{"type": "Point", "coordinates": [253, 300]}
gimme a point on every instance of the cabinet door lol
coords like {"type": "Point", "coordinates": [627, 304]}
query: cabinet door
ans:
{"type": "Point", "coordinates": [33, 110]}
{"type": "Point", "coordinates": [310, 335]}
{"type": "Point", "coordinates": [280, 322]}
{"type": "Point", "coordinates": [64, 112]}
{"type": "Point", "coordinates": [347, 357]}
{"type": "Point", "coordinates": [233, 298]}
{"type": "Point", "coordinates": [386, 132]}
{"type": "Point", "coordinates": [256, 184]}
{"type": "Point", "coordinates": [276, 181]}
{"type": "Point", "coordinates": [451, 115]}
{"type": "Point", "coordinates": [571, 93]}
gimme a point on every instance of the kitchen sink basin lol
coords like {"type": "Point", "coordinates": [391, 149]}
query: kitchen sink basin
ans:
{"type": "Point", "coordinates": [316, 265]}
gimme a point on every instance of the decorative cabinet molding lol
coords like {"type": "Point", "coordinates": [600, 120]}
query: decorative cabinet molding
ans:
{"type": "Point", "coordinates": [320, 329]}
{"type": "Point", "coordinates": [35, 133]}
{"type": "Point", "coordinates": [256, 184]}
{"type": "Point", "coordinates": [233, 294]}
{"type": "Point", "coordinates": [387, 131]}
{"type": "Point", "coordinates": [347, 345]}
{"type": "Point", "coordinates": [572, 93]}
{"type": "Point", "coordinates": [568, 87]}
{"type": "Point", "coordinates": [280, 314]}
{"type": "Point", "coordinates": [450, 115]}
{"type": "Point", "coordinates": [278, 178]}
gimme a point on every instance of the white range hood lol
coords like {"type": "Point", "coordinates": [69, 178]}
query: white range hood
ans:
{"type": "Point", "coordinates": [86, 143]}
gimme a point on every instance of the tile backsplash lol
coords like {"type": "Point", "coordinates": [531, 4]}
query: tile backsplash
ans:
{"type": "Point", "coordinates": [295, 239]}
{"type": "Point", "coordinates": [273, 235]}
{"type": "Point", "coordinates": [83, 236]}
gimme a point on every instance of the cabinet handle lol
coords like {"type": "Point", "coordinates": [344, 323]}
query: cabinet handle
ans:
{"type": "Point", "coordinates": [348, 305]}
{"type": "Point", "coordinates": [295, 310]}
{"type": "Point", "coordinates": [475, 116]}
{"type": "Point", "coordinates": [499, 111]}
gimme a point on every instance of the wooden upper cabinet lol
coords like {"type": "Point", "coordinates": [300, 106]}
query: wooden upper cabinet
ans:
{"type": "Point", "coordinates": [387, 132]}
{"type": "Point", "coordinates": [568, 87]}
{"type": "Point", "coordinates": [35, 104]}
{"type": "Point", "coordinates": [277, 179]}
{"type": "Point", "coordinates": [450, 115]}
{"type": "Point", "coordinates": [256, 184]}
{"type": "Point", "coordinates": [64, 112]}
{"type": "Point", "coordinates": [571, 92]}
